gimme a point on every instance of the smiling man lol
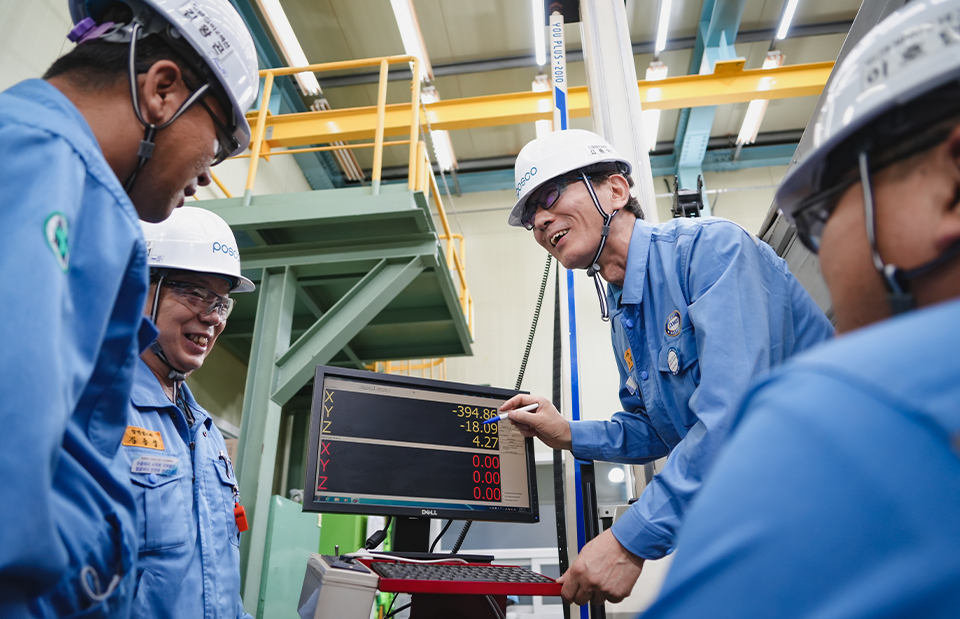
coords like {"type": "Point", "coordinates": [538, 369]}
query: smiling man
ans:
{"type": "Point", "coordinates": [698, 308]}
{"type": "Point", "coordinates": [186, 490]}
{"type": "Point", "coordinates": [124, 126]}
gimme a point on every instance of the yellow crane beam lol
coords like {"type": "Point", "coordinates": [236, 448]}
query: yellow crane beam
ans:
{"type": "Point", "coordinates": [729, 83]}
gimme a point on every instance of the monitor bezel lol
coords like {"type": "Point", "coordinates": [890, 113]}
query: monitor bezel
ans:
{"type": "Point", "coordinates": [326, 507]}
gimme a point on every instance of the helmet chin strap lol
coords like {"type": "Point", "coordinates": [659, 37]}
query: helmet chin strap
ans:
{"type": "Point", "coordinates": [594, 269]}
{"type": "Point", "coordinates": [177, 376]}
{"type": "Point", "coordinates": [145, 151]}
{"type": "Point", "coordinates": [896, 280]}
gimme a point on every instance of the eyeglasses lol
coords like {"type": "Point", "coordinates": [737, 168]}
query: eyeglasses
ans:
{"type": "Point", "coordinates": [227, 142]}
{"type": "Point", "coordinates": [545, 198]}
{"type": "Point", "coordinates": [812, 213]}
{"type": "Point", "coordinates": [202, 300]}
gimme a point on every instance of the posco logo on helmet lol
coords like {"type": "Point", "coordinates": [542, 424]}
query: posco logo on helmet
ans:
{"type": "Point", "coordinates": [226, 249]}
{"type": "Point", "coordinates": [526, 177]}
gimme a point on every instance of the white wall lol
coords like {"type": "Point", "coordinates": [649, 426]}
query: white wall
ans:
{"type": "Point", "coordinates": [32, 35]}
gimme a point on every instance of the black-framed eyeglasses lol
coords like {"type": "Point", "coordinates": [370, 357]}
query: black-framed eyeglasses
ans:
{"type": "Point", "coordinates": [202, 300]}
{"type": "Point", "coordinates": [545, 197]}
{"type": "Point", "coordinates": [227, 142]}
{"type": "Point", "coordinates": [812, 213]}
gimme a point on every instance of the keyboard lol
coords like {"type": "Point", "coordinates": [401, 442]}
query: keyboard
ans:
{"type": "Point", "coordinates": [461, 578]}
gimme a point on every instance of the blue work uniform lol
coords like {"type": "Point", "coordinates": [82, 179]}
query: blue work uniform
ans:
{"type": "Point", "coordinates": [74, 274]}
{"type": "Point", "coordinates": [186, 489]}
{"type": "Point", "coordinates": [704, 308]}
{"type": "Point", "coordinates": [838, 494]}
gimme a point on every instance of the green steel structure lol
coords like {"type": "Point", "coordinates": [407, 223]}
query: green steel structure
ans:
{"type": "Point", "coordinates": [344, 277]}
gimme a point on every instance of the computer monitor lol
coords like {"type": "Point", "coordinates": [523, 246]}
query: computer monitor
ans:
{"type": "Point", "coordinates": [382, 444]}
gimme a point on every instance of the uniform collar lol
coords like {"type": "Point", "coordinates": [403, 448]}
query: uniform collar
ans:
{"type": "Point", "coordinates": [147, 393]}
{"type": "Point", "coordinates": [636, 274]}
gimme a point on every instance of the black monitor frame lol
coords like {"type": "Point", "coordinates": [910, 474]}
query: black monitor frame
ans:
{"type": "Point", "coordinates": [310, 504]}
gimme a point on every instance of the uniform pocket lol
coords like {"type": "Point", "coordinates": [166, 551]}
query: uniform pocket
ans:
{"type": "Point", "coordinates": [228, 482]}
{"type": "Point", "coordinates": [677, 354]}
{"type": "Point", "coordinates": [163, 510]}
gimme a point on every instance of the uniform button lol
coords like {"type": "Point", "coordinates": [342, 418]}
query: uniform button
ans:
{"type": "Point", "coordinates": [644, 375]}
{"type": "Point", "coordinates": [152, 478]}
{"type": "Point", "coordinates": [204, 432]}
{"type": "Point", "coordinates": [628, 323]}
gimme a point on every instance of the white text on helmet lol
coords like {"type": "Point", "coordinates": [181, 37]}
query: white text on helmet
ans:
{"type": "Point", "coordinates": [526, 177]}
{"type": "Point", "coordinates": [226, 249]}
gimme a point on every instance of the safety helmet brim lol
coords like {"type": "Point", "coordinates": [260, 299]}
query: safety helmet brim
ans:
{"type": "Point", "coordinates": [901, 60]}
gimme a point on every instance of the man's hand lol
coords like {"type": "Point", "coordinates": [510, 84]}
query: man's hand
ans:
{"type": "Point", "coordinates": [604, 571]}
{"type": "Point", "coordinates": [545, 423]}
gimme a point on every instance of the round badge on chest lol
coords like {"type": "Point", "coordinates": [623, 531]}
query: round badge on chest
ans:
{"type": "Point", "coordinates": [673, 361]}
{"type": "Point", "coordinates": [673, 324]}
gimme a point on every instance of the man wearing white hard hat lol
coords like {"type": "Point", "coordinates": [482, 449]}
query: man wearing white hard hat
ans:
{"type": "Point", "coordinates": [697, 308]}
{"type": "Point", "coordinates": [839, 493]}
{"type": "Point", "coordinates": [189, 510]}
{"type": "Point", "coordinates": [124, 126]}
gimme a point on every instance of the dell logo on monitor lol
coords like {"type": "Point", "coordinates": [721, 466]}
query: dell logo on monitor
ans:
{"type": "Point", "coordinates": [428, 512]}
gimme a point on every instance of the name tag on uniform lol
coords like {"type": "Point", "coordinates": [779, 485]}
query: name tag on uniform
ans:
{"type": "Point", "coordinates": [631, 385]}
{"type": "Point", "coordinates": [141, 437]}
{"type": "Point", "coordinates": [161, 465]}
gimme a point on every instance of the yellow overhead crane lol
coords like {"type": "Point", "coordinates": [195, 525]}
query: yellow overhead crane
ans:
{"type": "Point", "coordinates": [729, 83]}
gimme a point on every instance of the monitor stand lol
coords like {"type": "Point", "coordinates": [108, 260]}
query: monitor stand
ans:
{"type": "Point", "coordinates": [411, 534]}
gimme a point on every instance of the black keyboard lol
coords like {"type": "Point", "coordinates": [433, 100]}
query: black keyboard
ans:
{"type": "Point", "coordinates": [462, 578]}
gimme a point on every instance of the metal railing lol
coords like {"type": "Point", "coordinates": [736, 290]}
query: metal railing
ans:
{"type": "Point", "coordinates": [420, 172]}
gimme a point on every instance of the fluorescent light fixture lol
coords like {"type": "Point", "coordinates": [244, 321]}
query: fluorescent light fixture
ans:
{"type": "Point", "coordinates": [662, 26]}
{"type": "Point", "coordinates": [787, 18]}
{"type": "Point", "coordinates": [410, 34]}
{"type": "Point", "coordinates": [538, 41]}
{"type": "Point", "coordinates": [289, 45]}
{"type": "Point", "coordinates": [544, 127]}
{"type": "Point", "coordinates": [442, 146]}
{"type": "Point", "coordinates": [651, 118]}
{"type": "Point", "coordinates": [758, 107]}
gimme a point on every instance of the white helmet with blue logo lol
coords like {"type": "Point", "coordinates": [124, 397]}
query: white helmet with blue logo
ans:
{"type": "Point", "coordinates": [194, 239]}
{"type": "Point", "coordinates": [556, 154]}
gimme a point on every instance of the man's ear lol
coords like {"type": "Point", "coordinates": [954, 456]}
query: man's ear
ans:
{"type": "Point", "coordinates": [619, 191]}
{"type": "Point", "coordinates": [162, 92]}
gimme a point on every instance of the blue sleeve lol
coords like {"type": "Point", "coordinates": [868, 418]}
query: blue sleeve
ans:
{"type": "Point", "coordinates": [827, 502]}
{"type": "Point", "coordinates": [627, 437]}
{"type": "Point", "coordinates": [740, 307]}
{"type": "Point", "coordinates": [44, 366]}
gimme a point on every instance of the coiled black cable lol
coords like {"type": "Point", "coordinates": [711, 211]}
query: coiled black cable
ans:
{"type": "Point", "coordinates": [523, 369]}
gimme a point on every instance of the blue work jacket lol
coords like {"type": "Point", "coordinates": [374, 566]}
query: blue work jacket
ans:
{"type": "Point", "coordinates": [74, 276]}
{"type": "Point", "coordinates": [705, 307]}
{"type": "Point", "coordinates": [183, 480]}
{"type": "Point", "coordinates": [838, 494]}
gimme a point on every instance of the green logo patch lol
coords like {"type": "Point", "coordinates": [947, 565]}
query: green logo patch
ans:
{"type": "Point", "coordinates": [57, 232]}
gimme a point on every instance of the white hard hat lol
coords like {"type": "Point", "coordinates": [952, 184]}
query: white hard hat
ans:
{"type": "Point", "coordinates": [215, 32]}
{"type": "Point", "coordinates": [194, 239]}
{"type": "Point", "coordinates": [556, 154]}
{"type": "Point", "coordinates": [909, 54]}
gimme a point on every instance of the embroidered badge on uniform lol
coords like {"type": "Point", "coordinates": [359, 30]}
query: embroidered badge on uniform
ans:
{"type": "Point", "coordinates": [141, 437]}
{"type": "Point", "coordinates": [673, 361]}
{"type": "Point", "coordinates": [57, 232]}
{"type": "Point", "coordinates": [673, 324]}
{"type": "Point", "coordinates": [628, 358]}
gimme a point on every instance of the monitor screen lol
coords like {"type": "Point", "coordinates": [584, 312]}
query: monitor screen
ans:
{"type": "Point", "coordinates": [382, 444]}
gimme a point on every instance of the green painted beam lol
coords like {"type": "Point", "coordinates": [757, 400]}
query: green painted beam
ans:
{"type": "Point", "coordinates": [260, 426]}
{"type": "Point", "coordinates": [338, 326]}
{"type": "Point", "coordinates": [307, 298]}
{"type": "Point", "coordinates": [349, 205]}
{"type": "Point", "coordinates": [315, 254]}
